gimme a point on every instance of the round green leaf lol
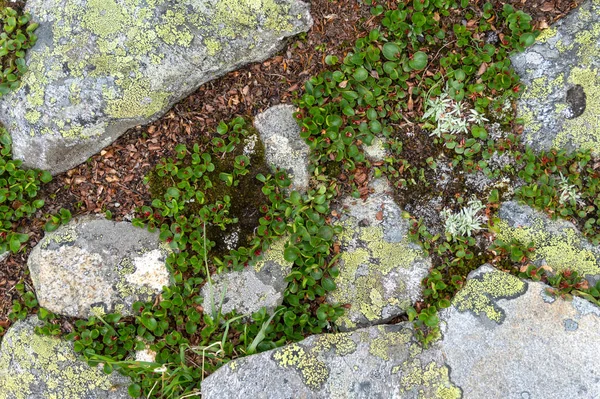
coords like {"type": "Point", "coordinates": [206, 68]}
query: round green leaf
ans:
{"type": "Point", "coordinates": [361, 74]}
{"type": "Point", "coordinates": [391, 51]}
{"type": "Point", "coordinates": [419, 61]}
{"type": "Point", "coordinates": [291, 253]}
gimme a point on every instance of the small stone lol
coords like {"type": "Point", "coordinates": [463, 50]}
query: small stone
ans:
{"type": "Point", "coordinates": [259, 285]}
{"type": "Point", "coordinates": [284, 147]}
{"type": "Point", "coordinates": [380, 270]}
{"type": "Point", "coordinates": [95, 266]}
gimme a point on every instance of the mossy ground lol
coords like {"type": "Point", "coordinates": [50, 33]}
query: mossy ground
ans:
{"type": "Point", "coordinates": [246, 197]}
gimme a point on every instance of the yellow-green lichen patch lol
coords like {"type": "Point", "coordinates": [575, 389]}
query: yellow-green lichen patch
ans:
{"type": "Point", "coordinates": [583, 131]}
{"type": "Point", "coordinates": [137, 100]}
{"type": "Point", "coordinates": [173, 29]}
{"type": "Point", "coordinates": [38, 361]}
{"type": "Point", "coordinates": [431, 381]}
{"type": "Point", "coordinates": [232, 18]}
{"type": "Point", "coordinates": [313, 372]}
{"type": "Point", "coordinates": [546, 34]}
{"type": "Point", "coordinates": [386, 341]}
{"type": "Point", "coordinates": [64, 236]}
{"type": "Point", "coordinates": [212, 46]}
{"type": "Point", "coordinates": [481, 293]}
{"type": "Point", "coordinates": [367, 260]}
{"type": "Point", "coordinates": [104, 17]}
{"type": "Point", "coordinates": [342, 343]}
{"type": "Point", "coordinates": [275, 255]}
{"type": "Point", "coordinates": [560, 252]}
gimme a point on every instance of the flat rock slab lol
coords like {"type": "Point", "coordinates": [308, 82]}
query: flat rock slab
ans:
{"type": "Point", "coordinates": [260, 285]}
{"type": "Point", "coordinates": [561, 101]}
{"type": "Point", "coordinates": [377, 362]}
{"type": "Point", "coordinates": [506, 338]}
{"type": "Point", "coordinates": [101, 67]}
{"type": "Point", "coordinates": [558, 243]}
{"type": "Point", "coordinates": [95, 265]}
{"type": "Point", "coordinates": [284, 147]}
{"type": "Point", "coordinates": [380, 270]}
{"type": "Point", "coordinates": [36, 367]}
{"type": "Point", "coordinates": [502, 338]}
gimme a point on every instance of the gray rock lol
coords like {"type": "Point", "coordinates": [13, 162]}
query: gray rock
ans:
{"type": "Point", "coordinates": [505, 338]}
{"type": "Point", "coordinates": [101, 67]}
{"type": "Point", "coordinates": [376, 363]}
{"type": "Point", "coordinates": [284, 147]}
{"type": "Point", "coordinates": [558, 243]}
{"type": "Point", "coordinates": [561, 100]}
{"type": "Point", "coordinates": [380, 270]}
{"type": "Point", "coordinates": [4, 256]}
{"type": "Point", "coordinates": [502, 338]}
{"type": "Point", "coordinates": [34, 367]}
{"type": "Point", "coordinates": [260, 285]}
{"type": "Point", "coordinates": [95, 265]}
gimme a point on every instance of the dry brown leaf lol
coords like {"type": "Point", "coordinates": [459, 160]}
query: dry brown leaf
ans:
{"type": "Point", "coordinates": [547, 6]}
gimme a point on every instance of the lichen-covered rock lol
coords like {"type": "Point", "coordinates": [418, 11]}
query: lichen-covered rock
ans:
{"type": "Point", "coordinates": [95, 265]}
{"type": "Point", "coordinates": [561, 100]}
{"type": "Point", "coordinates": [506, 338]}
{"type": "Point", "coordinates": [101, 67]}
{"type": "Point", "coordinates": [558, 243]}
{"type": "Point", "coordinates": [501, 338]}
{"type": "Point", "coordinates": [380, 269]}
{"type": "Point", "coordinates": [41, 367]}
{"type": "Point", "coordinates": [284, 147]}
{"type": "Point", "coordinates": [259, 285]}
{"type": "Point", "coordinates": [377, 362]}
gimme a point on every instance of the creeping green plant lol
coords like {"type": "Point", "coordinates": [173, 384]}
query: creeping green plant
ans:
{"type": "Point", "coordinates": [16, 36]}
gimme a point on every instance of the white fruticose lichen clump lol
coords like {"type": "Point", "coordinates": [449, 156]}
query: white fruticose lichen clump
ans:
{"type": "Point", "coordinates": [450, 115]}
{"type": "Point", "coordinates": [466, 221]}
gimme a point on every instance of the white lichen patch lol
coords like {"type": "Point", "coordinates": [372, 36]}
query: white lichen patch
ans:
{"type": "Point", "coordinates": [150, 271]}
{"type": "Point", "coordinates": [145, 355]}
{"type": "Point", "coordinates": [69, 280]}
